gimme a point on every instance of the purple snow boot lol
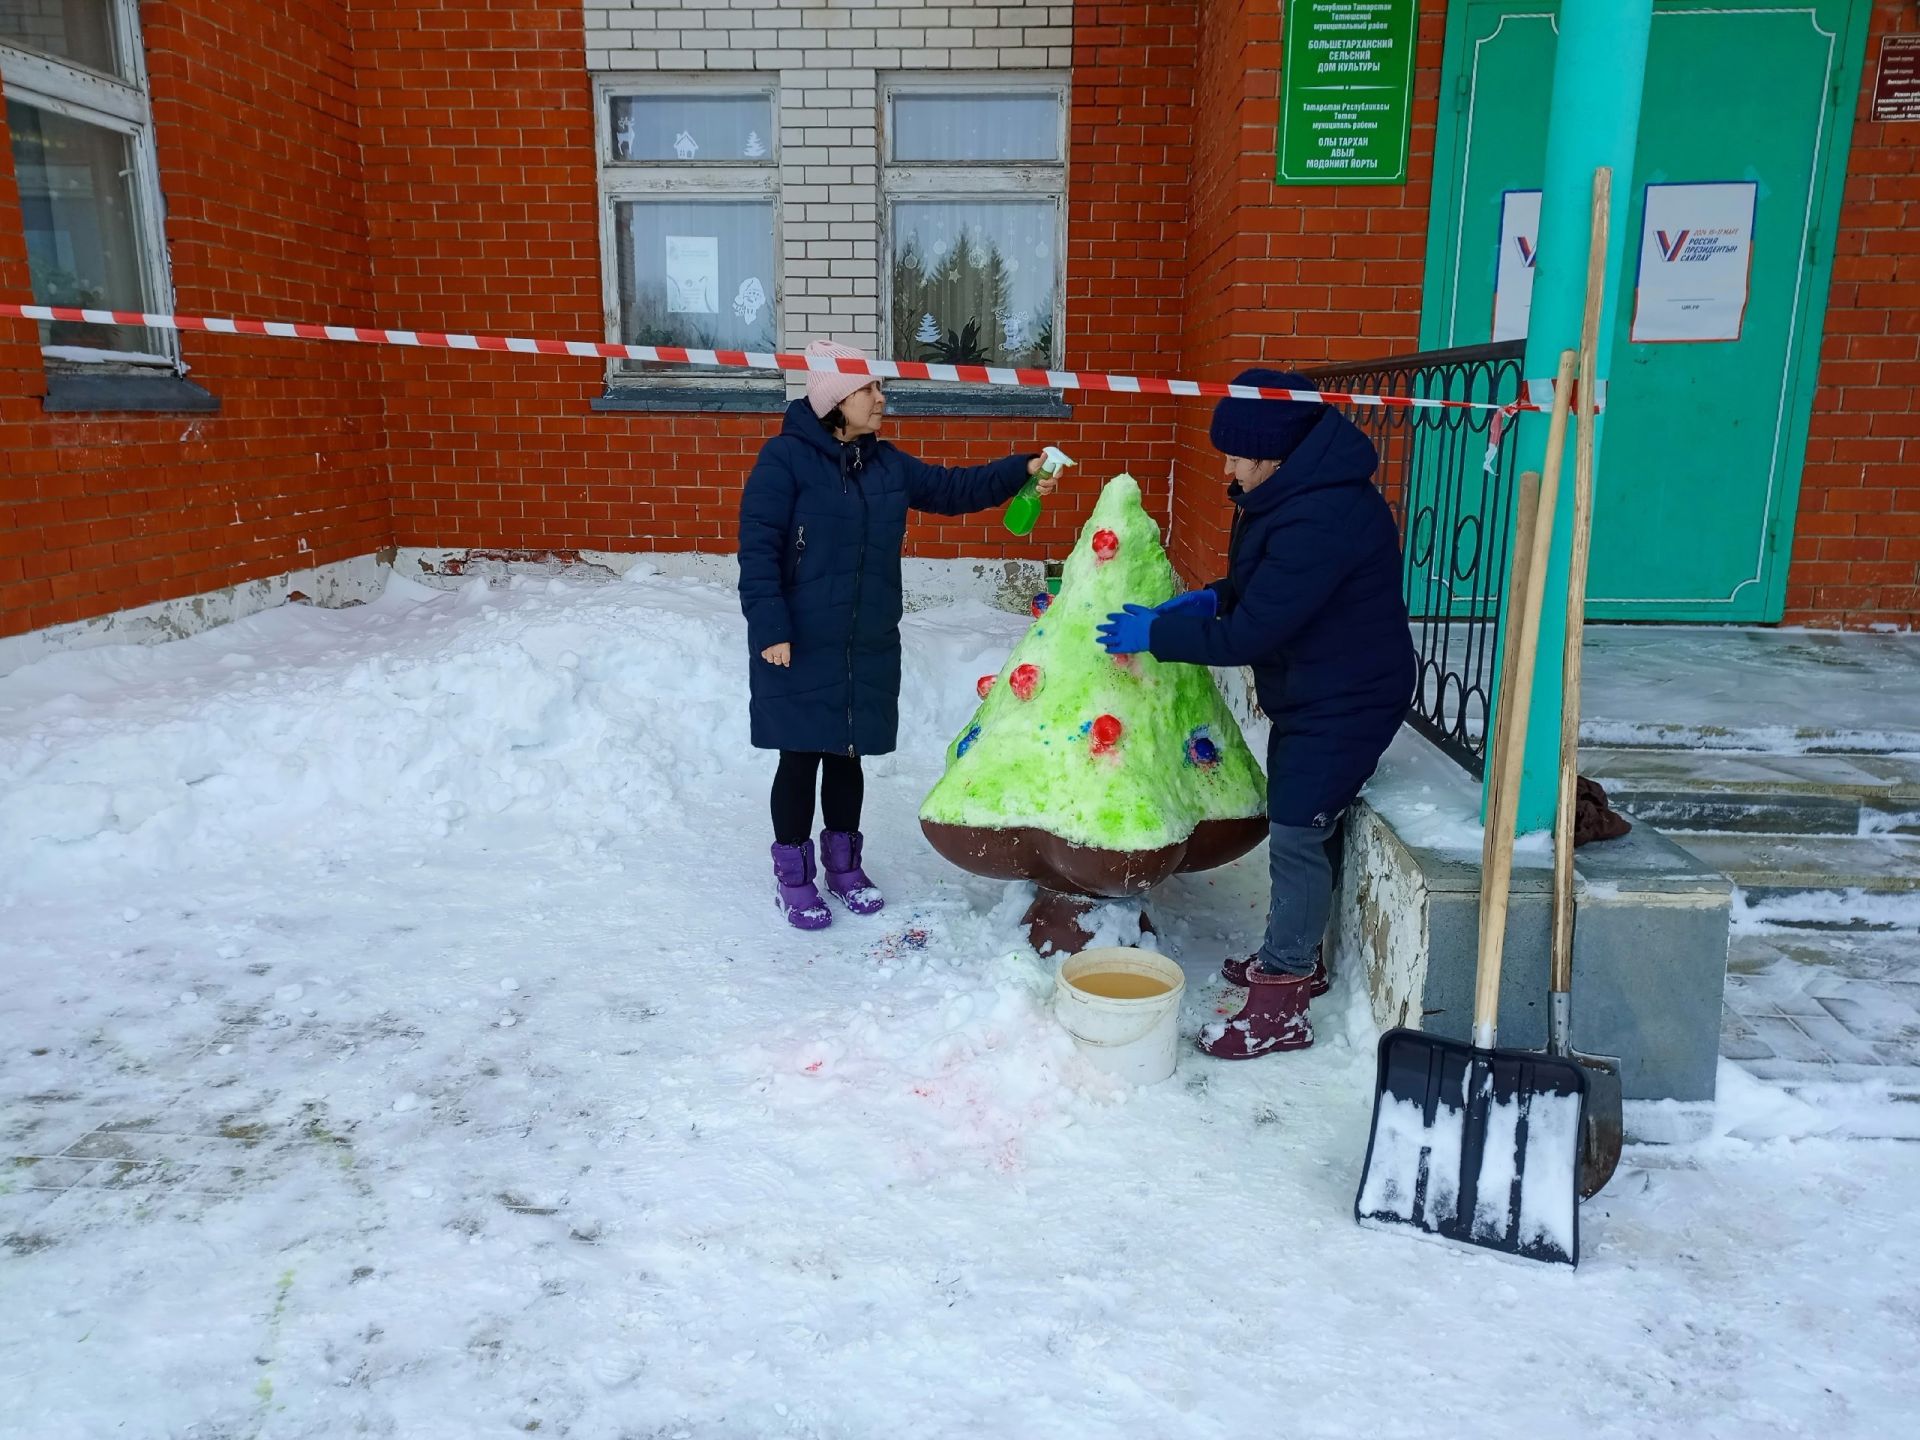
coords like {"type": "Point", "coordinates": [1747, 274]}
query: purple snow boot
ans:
{"type": "Point", "coordinates": [846, 881]}
{"type": "Point", "coordinates": [797, 896]}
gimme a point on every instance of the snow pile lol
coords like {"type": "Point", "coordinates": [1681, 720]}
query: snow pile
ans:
{"type": "Point", "coordinates": [424, 714]}
{"type": "Point", "coordinates": [1433, 804]}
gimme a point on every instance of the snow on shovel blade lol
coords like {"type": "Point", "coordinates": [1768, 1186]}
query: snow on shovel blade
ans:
{"type": "Point", "coordinates": [1479, 1146]}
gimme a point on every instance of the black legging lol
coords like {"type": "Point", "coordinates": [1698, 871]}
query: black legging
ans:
{"type": "Point", "coordinates": [842, 788]}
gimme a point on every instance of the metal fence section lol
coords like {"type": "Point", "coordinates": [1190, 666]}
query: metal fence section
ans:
{"type": "Point", "coordinates": [1455, 514]}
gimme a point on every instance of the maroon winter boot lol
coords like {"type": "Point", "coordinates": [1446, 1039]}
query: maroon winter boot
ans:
{"type": "Point", "coordinates": [846, 881]}
{"type": "Point", "coordinates": [799, 900]}
{"type": "Point", "coordinates": [1234, 972]}
{"type": "Point", "coordinates": [1274, 1018]}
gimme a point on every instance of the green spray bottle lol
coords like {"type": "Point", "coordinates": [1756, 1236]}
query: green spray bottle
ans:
{"type": "Point", "coordinates": [1023, 511]}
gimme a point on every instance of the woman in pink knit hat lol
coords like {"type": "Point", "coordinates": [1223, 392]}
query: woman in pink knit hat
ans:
{"type": "Point", "coordinates": [822, 521]}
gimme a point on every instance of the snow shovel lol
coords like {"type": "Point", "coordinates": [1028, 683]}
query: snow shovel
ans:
{"type": "Point", "coordinates": [1603, 1131]}
{"type": "Point", "coordinates": [1470, 1142]}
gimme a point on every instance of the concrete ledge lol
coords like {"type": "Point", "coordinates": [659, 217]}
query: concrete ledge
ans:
{"type": "Point", "coordinates": [1650, 941]}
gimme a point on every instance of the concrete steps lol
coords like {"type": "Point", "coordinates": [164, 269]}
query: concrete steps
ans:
{"type": "Point", "coordinates": [1812, 841]}
{"type": "Point", "coordinates": [1746, 793]}
{"type": "Point", "coordinates": [1788, 761]}
{"type": "Point", "coordinates": [1818, 882]}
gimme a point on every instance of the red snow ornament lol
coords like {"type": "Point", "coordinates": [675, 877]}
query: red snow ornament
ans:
{"type": "Point", "coordinates": [1106, 545]}
{"type": "Point", "coordinates": [1025, 681]}
{"type": "Point", "coordinates": [1038, 605]}
{"type": "Point", "coordinates": [983, 685]}
{"type": "Point", "coordinates": [1106, 732]}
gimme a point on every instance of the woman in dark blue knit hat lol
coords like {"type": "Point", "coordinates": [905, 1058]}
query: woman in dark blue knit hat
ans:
{"type": "Point", "coordinates": [1312, 603]}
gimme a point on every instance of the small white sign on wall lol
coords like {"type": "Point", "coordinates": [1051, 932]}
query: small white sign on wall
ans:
{"type": "Point", "coordinates": [693, 275]}
{"type": "Point", "coordinates": [1513, 276]}
{"type": "Point", "coordinates": [1696, 261]}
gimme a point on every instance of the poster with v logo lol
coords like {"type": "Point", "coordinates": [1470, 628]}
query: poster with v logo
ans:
{"type": "Point", "coordinates": [1696, 256]}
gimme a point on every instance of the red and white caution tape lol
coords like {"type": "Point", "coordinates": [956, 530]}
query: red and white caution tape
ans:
{"type": "Point", "coordinates": [764, 360]}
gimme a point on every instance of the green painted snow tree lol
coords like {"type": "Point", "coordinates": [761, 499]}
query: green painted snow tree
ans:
{"type": "Point", "coordinates": [1097, 776]}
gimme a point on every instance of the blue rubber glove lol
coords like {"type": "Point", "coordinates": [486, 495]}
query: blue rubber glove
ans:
{"type": "Point", "coordinates": [1203, 603]}
{"type": "Point", "coordinates": [1127, 631]}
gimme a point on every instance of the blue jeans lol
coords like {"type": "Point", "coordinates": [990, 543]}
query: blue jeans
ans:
{"type": "Point", "coordinates": [1302, 862]}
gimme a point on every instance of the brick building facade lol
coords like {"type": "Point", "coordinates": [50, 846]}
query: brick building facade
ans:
{"type": "Point", "coordinates": [453, 164]}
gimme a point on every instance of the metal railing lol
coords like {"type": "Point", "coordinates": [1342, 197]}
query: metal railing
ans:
{"type": "Point", "coordinates": [1455, 516]}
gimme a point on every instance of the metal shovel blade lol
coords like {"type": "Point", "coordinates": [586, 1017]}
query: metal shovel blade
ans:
{"type": "Point", "coordinates": [1476, 1146]}
{"type": "Point", "coordinates": [1603, 1130]}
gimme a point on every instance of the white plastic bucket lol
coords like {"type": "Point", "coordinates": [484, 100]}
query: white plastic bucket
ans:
{"type": "Point", "coordinates": [1132, 1040]}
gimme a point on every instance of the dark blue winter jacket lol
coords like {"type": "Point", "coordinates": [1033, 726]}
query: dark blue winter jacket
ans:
{"type": "Point", "coordinates": [1312, 602]}
{"type": "Point", "coordinates": [821, 526]}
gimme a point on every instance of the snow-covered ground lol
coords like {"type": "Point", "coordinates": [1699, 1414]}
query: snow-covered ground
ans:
{"type": "Point", "coordinates": [399, 1040]}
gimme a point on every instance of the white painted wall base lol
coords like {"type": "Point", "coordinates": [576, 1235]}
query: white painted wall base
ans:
{"type": "Point", "coordinates": [1005, 584]}
{"type": "Point", "coordinates": [345, 582]}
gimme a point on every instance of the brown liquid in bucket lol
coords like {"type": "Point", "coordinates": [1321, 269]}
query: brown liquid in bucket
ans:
{"type": "Point", "coordinates": [1120, 985]}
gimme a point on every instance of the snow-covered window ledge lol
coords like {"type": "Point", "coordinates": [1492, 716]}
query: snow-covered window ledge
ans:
{"type": "Point", "coordinates": [84, 387]}
{"type": "Point", "coordinates": [934, 398]}
{"type": "Point", "coordinates": [665, 394]}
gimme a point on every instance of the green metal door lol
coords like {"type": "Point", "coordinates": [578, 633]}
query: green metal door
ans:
{"type": "Point", "coordinates": [1747, 110]}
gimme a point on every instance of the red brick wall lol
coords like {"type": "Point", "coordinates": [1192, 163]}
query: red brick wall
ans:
{"type": "Point", "coordinates": [429, 162]}
{"type": "Point", "coordinates": [482, 198]}
{"type": "Point", "coordinates": [1856, 552]}
{"type": "Point", "coordinates": [1291, 275]}
{"type": "Point", "coordinates": [253, 107]}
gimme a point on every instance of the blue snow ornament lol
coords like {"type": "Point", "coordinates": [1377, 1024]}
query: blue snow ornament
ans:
{"type": "Point", "coordinates": [1201, 750]}
{"type": "Point", "coordinates": [966, 742]}
{"type": "Point", "coordinates": [1039, 604]}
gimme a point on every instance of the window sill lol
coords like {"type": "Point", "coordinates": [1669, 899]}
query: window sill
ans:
{"type": "Point", "coordinates": [71, 393]}
{"type": "Point", "coordinates": [640, 396]}
{"type": "Point", "coordinates": [905, 398]}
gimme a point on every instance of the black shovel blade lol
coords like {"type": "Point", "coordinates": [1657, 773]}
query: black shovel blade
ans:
{"type": "Point", "coordinates": [1478, 1146]}
{"type": "Point", "coordinates": [1603, 1133]}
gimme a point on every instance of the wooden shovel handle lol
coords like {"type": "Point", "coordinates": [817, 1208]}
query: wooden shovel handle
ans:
{"type": "Point", "coordinates": [1583, 442]}
{"type": "Point", "coordinates": [1497, 876]}
{"type": "Point", "coordinates": [1526, 514]}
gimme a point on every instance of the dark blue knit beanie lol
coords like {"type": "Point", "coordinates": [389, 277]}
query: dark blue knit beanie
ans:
{"type": "Point", "coordinates": [1265, 429]}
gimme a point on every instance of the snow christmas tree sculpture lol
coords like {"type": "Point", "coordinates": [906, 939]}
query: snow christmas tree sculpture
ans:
{"type": "Point", "coordinates": [1096, 776]}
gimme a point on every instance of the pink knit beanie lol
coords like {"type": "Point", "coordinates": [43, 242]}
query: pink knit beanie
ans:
{"type": "Point", "coordinates": [827, 388]}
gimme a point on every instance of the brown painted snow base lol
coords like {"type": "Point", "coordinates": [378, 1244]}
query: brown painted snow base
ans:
{"type": "Point", "coordinates": [1072, 876]}
{"type": "Point", "coordinates": [1057, 924]}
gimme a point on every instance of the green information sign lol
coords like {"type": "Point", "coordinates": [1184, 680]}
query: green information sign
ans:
{"type": "Point", "coordinates": [1346, 91]}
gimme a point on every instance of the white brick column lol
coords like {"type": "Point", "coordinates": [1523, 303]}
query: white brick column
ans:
{"type": "Point", "coordinates": [829, 55]}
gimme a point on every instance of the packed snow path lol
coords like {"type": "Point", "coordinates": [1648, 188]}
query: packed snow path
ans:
{"type": "Point", "coordinates": [400, 1040]}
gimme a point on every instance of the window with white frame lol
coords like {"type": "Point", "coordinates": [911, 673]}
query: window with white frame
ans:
{"type": "Point", "coordinates": [83, 154]}
{"type": "Point", "coordinates": [974, 214]}
{"type": "Point", "coordinates": [689, 179]}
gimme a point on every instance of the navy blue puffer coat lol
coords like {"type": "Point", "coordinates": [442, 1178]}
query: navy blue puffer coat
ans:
{"type": "Point", "coordinates": [821, 526]}
{"type": "Point", "coordinates": [1312, 602]}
